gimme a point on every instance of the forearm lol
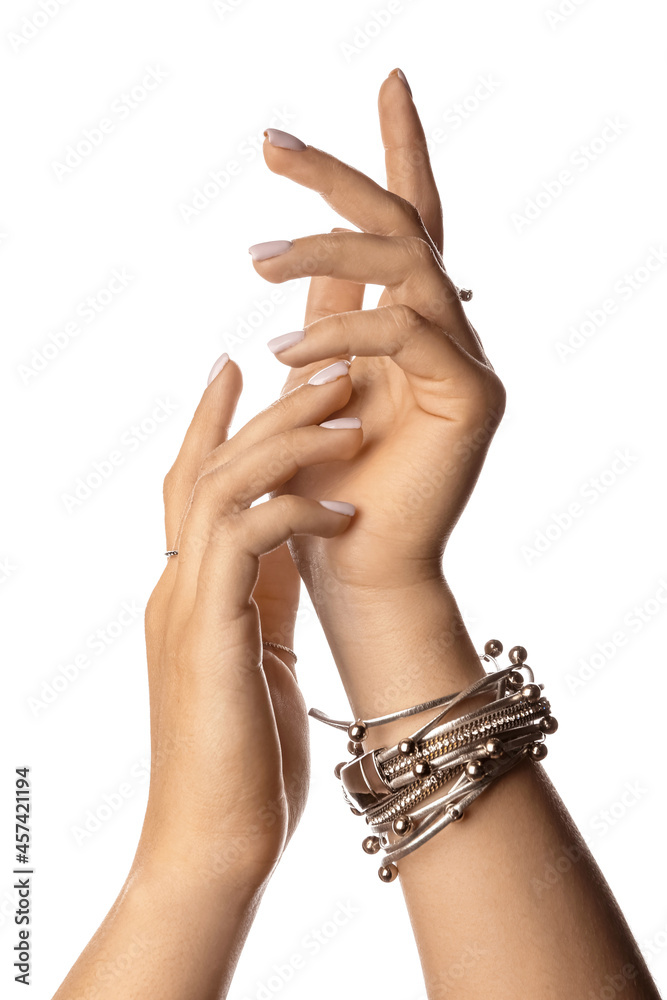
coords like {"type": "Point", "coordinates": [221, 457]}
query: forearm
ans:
{"type": "Point", "coordinates": [482, 886]}
{"type": "Point", "coordinates": [175, 932]}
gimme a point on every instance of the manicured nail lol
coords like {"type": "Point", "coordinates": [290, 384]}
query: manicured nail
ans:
{"type": "Point", "coordinates": [284, 139]}
{"type": "Point", "coordinates": [342, 423]}
{"type": "Point", "coordinates": [217, 367]}
{"type": "Point", "coordinates": [330, 374]}
{"type": "Point", "coordinates": [285, 340]}
{"type": "Point", "coordinates": [339, 506]}
{"type": "Point", "coordinates": [262, 251]}
{"type": "Point", "coordinates": [404, 80]}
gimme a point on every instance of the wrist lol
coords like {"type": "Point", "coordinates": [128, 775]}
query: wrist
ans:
{"type": "Point", "coordinates": [397, 646]}
{"type": "Point", "coordinates": [227, 869]}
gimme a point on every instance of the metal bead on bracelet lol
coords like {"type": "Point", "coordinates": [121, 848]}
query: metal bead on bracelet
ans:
{"type": "Point", "coordinates": [409, 792]}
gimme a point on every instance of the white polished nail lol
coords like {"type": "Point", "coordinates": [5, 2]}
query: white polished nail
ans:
{"type": "Point", "coordinates": [217, 367]}
{"type": "Point", "coordinates": [272, 248]}
{"type": "Point", "coordinates": [342, 423]}
{"type": "Point", "coordinates": [330, 373]}
{"type": "Point", "coordinates": [339, 507]}
{"type": "Point", "coordinates": [285, 340]}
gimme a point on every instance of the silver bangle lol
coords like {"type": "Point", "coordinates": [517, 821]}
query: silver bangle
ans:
{"type": "Point", "coordinates": [409, 792]}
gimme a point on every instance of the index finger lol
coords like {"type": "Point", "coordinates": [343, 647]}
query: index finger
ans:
{"type": "Point", "coordinates": [351, 194]}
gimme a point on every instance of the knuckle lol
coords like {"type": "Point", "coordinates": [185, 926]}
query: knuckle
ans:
{"type": "Point", "coordinates": [343, 324]}
{"type": "Point", "coordinates": [282, 408]}
{"type": "Point", "coordinates": [321, 254]}
{"type": "Point", "coordinates": [210, 462]}
{"type": "Point", "coordinates": [410, 213]}
{"type": "Point", "coordinates": [204, 493]}
{"type": "Point", "coordinates": [287, 456]}
{"type": "Point", "coordinates": [407, 317]}
{"type": "Point", "coordinates": [170, 484]}
{"type": "Point", "coordinates": [284, 506]}
{"type": "Point", "coordinates": [407, 324]}
{"type": "Point", "coordinates": [485, 402]}
{"type": "Point", "coordinates": [421, 251]}
{"type": "Point", "coordinates": [498, 396]}
{"type": "Point", "coordinates": [331, 178]}
{"type": "Point", "coordinates": [153, 614]}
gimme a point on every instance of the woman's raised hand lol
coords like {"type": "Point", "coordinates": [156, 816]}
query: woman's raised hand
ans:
{"type": "Point", "coordinates": [428, 397]}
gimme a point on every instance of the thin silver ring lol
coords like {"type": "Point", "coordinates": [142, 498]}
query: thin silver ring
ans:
{"type": "Point", "coordinates": [171, 552]}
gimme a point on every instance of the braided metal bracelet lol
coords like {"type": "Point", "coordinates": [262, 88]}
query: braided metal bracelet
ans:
{"type": "Point", "coordinates": [409, 792]}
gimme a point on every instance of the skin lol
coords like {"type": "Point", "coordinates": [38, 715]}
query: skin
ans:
{"type": "Point", "coordinates": [430, 402]}
{"type": "Point", "coordinates": [216, 698]}
{"type": "Point", "coordinates": [487, 919]}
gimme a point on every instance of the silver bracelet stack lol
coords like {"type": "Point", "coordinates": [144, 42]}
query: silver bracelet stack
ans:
{"type": "Point", "coordinates": [411, 791]}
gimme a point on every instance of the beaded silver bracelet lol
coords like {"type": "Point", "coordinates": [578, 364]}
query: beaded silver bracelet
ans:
{"type": "Point", "coordinates": [411, 791]}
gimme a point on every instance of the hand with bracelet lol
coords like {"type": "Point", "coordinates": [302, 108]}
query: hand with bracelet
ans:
{"type": "Point", "coordinates": [412, 379]}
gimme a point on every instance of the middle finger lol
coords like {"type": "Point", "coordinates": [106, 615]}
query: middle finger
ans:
{"type": "Point", "coordinates": [408, 266]}
{"type": "Point", "coordinates": [351, 194]}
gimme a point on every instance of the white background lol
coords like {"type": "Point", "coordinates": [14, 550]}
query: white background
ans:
{"type": "Point", "coordinates": [551, 86]}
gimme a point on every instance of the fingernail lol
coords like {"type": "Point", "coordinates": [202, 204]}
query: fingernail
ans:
{"type": "Point", "coordinates": [285, 340]}
{"type": "Point", "coordinates": [217, 367]}
{"type": "Point", "coordinates": [339, 506]}
{"type": "Point", "coordinates": [262, 251]}
{"type": "Point", "coordinates": [404, 80]}
{"type": "Point", "coordinates": [284, 139]}
{"type": "Point", "coordinates": [342, 423]}
{"type": "Point", "coordinates": [330, 374]}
